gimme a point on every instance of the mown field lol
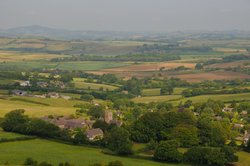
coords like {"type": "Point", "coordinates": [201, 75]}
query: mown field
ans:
{"type": "Point", "coordinates": [37, 107]}
{"type": "Point", "coordinates": [175, 99]}
{"type": "Point", "coordinates": [43, 150]}
{"type": "Point", "coordinates": [79, 83]}
{"type": "Point", "coordinates": [86, 65]}
{"type": "Point", "coordinates": [14, 56]}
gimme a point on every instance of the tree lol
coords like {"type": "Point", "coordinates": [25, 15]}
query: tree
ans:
{"type": "Point", "coordinates": [80, 137]}
{"type": "Point", "coordinates": [115, 163]}
{"type": "Point", "coordinates": [133, 86]}
{"type": "Point", "coordinates": [96, 111]}
{"type": "Point", "coordinates": [118, 141]}
{"type": "Point", "coordinates": [147, 127]}
{"type": "Point", "coordinates": [65, 164]}
{"type": "Point", "coordinates": [167, 151]}
{"type": "Point", "coordinates": [29, 161]}
{"type": "Point", "coordinates": [42, 129]}
{"type": "Point", "coordinates": [206, 156]}
{"type": "Point", "coordinates": [187, 135]}
{"type": "Point", "coordinates": [87, 97]}
{"type": "Point", "coordinates": [101, 124]}
{"type": "Point", "coordinates": [204, 125]}
{"type": "Point", "coordinates": [198, 66]}
{"type": "Point", "coordinates": [15, 121]}
{"type": "Point", "coordinates": [218, 134]}
{"type": "Point", "coordinates": [230, 154]}
{"type": "Point", "coordinates": [167, 89]}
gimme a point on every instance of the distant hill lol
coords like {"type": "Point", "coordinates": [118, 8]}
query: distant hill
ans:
{"type": "Point", "coordinates": [42, 31]}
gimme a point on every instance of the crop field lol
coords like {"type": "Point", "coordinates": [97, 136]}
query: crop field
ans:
{"type": "Point", "coordinates": [37, 107]}
{"type": "Point", "coordinates": [152, 67]}
{"type": "Point", "coordinates": [156, 98]}
{"type": "Point", "coordinates": [156, 91]}
{"type": "Point", "coordinates": [224, 97]}
{"type": "Point", "coordinates": [12, 56]}
{"type": "Point", "coordinates": [53, 152]}
{"type": "Point", "coordinates": [79, 83]}
{"type": "Point", "coordinates": [85, 66]}
{"type": "Point", "coordinates": [217, 75]}
{"type": "Point", "coordinates": [229, 64]}
{"type": "Point", "coordinates": [175, 99]}
{"type": "Point", "coordinates": [230, 50]}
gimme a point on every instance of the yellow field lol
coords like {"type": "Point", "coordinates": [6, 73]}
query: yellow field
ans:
{"type": "Point", "coordinates": [156, 98]}
{"type": "Point", "coordinates": [12, 56]}
{"type": "Point", "coordinates": [54, 106]}
{"type": "Point", "coordinates": [79, 83]}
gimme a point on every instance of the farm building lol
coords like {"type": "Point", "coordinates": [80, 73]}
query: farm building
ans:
{"type": "Point", "coordinates": [25, 83]}
{"type": "Point", "coordinates": [94, 134]}
{"type": "Point", "coordinates": [19, 93]}
{"type": "Point", "coordinates": [246, 137]}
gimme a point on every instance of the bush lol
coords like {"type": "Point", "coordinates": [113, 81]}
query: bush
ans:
{"type": "Point", "coordinates": [167, 151]}
{"type": "Point", "coordinates": [210, 156]}
{"type": "Point", "coordinates": [118, 141]}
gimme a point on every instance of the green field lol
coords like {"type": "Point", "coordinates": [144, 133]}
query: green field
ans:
{"type": "Point", "coordinates": [86, 65]}
{"type": "Point", "coordinates": [79, 83]}
{"type": "Point", "coordinates": [156, 98]}
{"type": "Point", "coordinates": [244, 159]}
{"type": "Point", "coordinates": [224, 97]}
{"type": "Point", "coordinates": [175, 99]}
{"type": "Point", "coordinates": [37, 107]}
{"type": "Point", "coordinates": [156, 91]}
{"type": "Point", "coordinates": [8, 135]}
{"type": "Point", "coordinates": [53, 152]}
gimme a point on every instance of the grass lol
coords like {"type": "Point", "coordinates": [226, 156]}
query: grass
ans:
{"type": "Point", "coordinates": [13, 56]}
{"type": "Point", "coordinates": [85, 66]}
{"type": "Point", "coordinates": [9, 135]}
{"type": "Point", "coordinates": [176, 99]}
{"type": "Point", "coordinates": [156, 98]}
{"type": "Point", "coordinates": [224, 97]}
{"type": "Point", "coordinates": [156, 91]}
{"type": "Point", "coordinates": [79, 83]}
{"type": "Point", "coordinates": [53, 152]}
{"type": "Point", "coordinates": [37, 107]}
{"type": "Point", "coordinates": [244, 159]}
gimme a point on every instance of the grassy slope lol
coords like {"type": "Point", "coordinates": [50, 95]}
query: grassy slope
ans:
{"type": "Point", "coordinates": [175, 99]}
{"type": "Point", "coordinates": [79, 83]}
{"type": "Point", "coordinates": [244, 159]}
{"type": "Point", "coordinates": [55, 106]}
{"type": "Point", "coordinates": [86, 65]}
{"type": "Point", "coordinates": [8, 135]}
{"type": "Point", "coordinates": [56, 152]}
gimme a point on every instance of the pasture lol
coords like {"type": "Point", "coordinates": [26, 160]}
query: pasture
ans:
{"type": "Point", "coordinates": [79, 83]}
{"type": "Point", "coordinates": [85, 66]}
{"type": "Point", "coordinates": [14, 56]}
{"type": "Point", "coordinates": [216, 75]}
{"type": "Point", "coordinates": [176, 99]}
{"type": "Point", "coordinates": [37, 107]}
{"type": "Point", "coordinates": [53, 152]}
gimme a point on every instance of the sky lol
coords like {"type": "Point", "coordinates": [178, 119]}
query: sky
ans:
{"type": "Point", "coordinates": [127, 15]}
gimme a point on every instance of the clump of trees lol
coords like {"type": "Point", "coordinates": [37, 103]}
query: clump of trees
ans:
{"type": "Point", "coordinates": [32, 162]}
{"type": "Point", "coordinates": [117, 140]}
{"type": "Point", "coordinates": [16, 121]}
{"type": "Point", "coordinates": [167, 151]}
{"type": "Point", "coordinates": [211, 156]}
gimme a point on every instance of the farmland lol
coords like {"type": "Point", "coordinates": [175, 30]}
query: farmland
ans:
{"type": "Point", "coordinates": [132, 81]}
{"type": "Point", "coordinates": [41, 108]}
{"type": "Point", "coordinates": [53, 152]}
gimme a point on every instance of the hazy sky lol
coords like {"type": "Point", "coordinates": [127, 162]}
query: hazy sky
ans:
{"type": "Point", "coordinates": [127, 15]}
